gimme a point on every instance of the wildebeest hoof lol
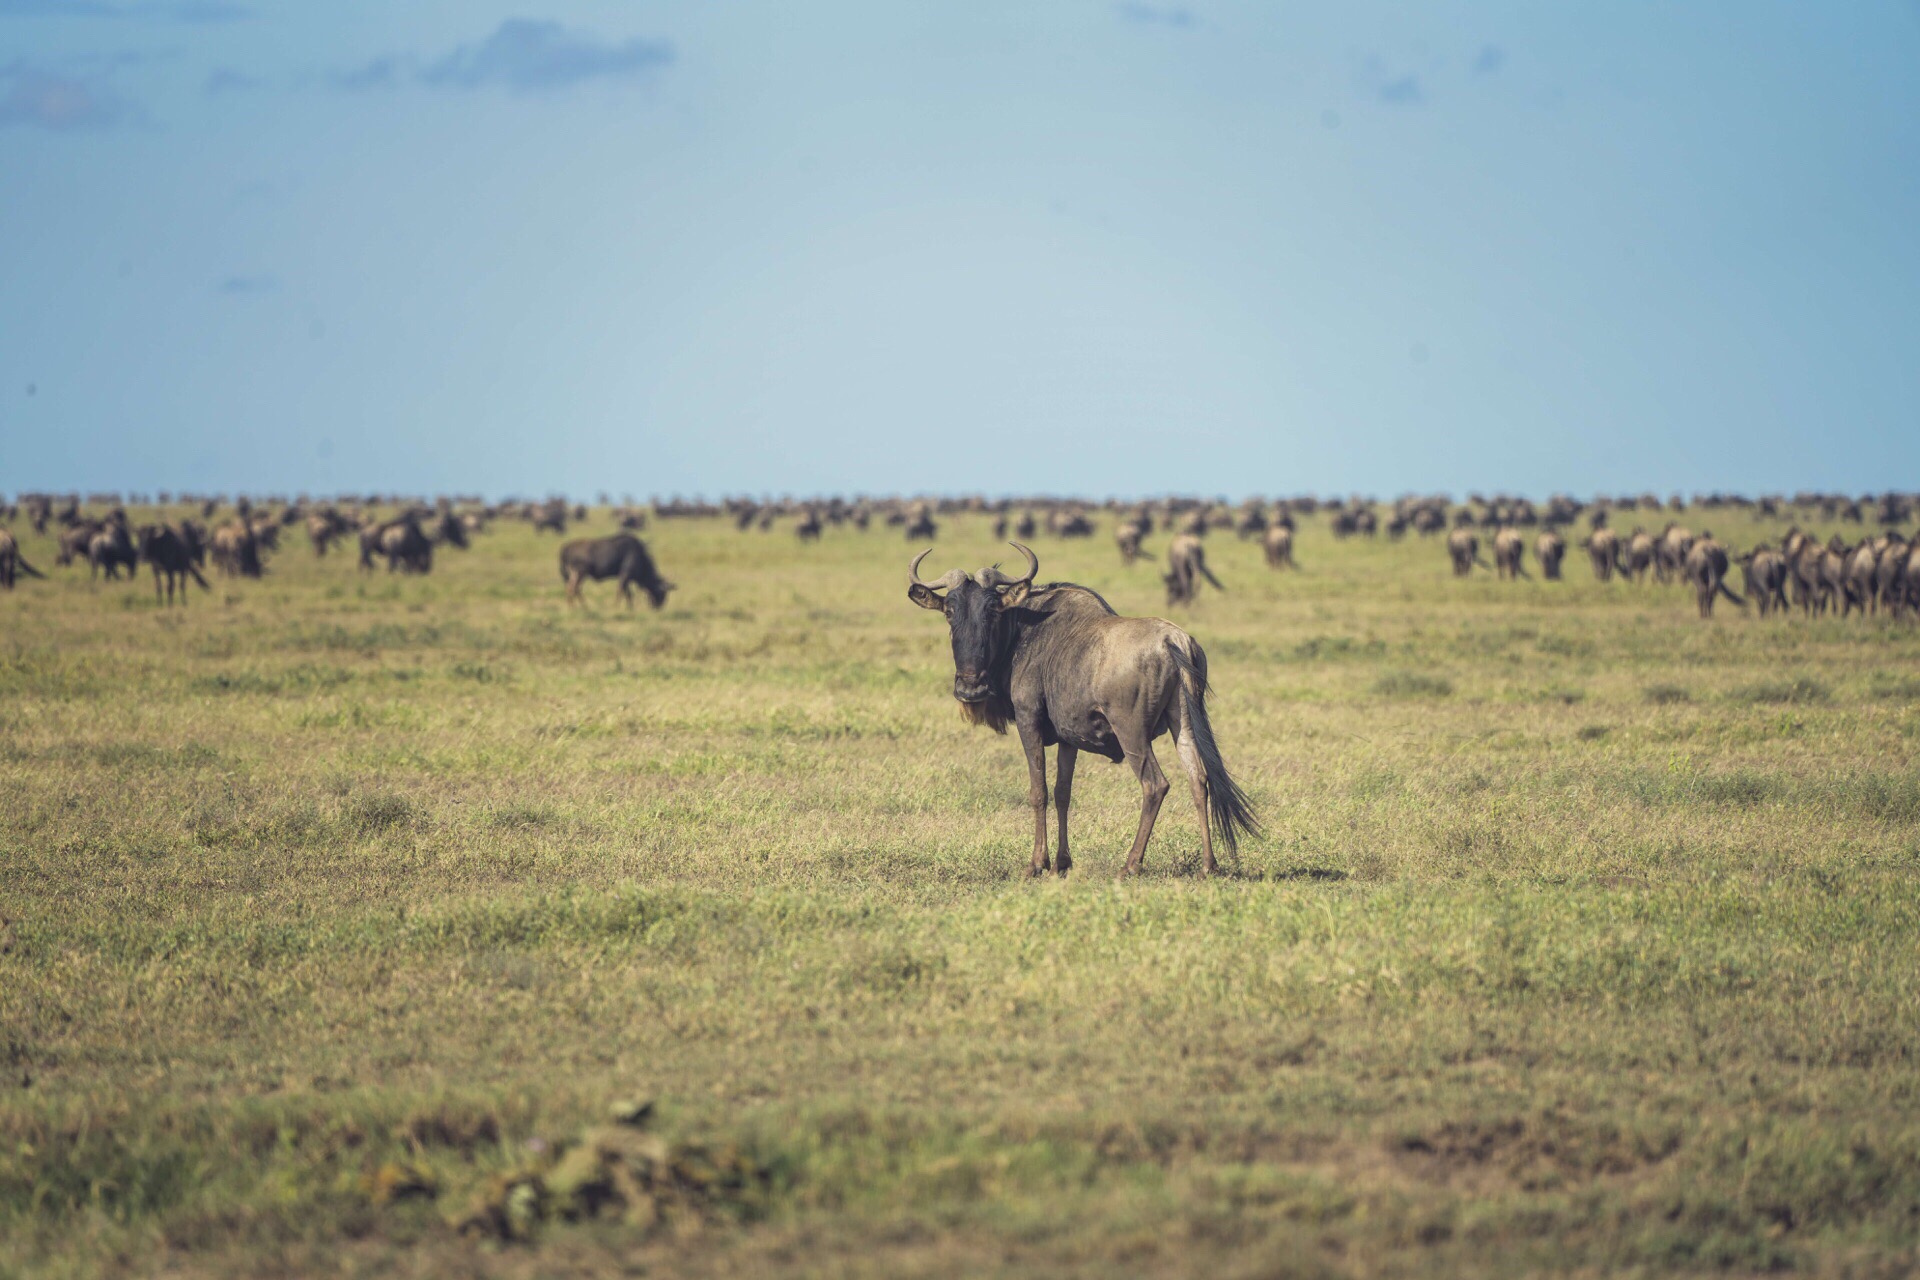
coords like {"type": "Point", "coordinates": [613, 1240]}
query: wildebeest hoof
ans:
{"type": "Point", "coordinates": [1034, 873]}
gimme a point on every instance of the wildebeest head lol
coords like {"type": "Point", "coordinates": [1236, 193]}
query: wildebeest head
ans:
{"type": "Point", "coordinates": [975, 606]}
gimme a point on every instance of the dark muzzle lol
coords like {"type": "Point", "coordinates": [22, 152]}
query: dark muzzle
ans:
{"type": "Point", "coordinates": [971, 686]}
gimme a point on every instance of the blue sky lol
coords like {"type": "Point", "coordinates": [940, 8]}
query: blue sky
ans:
{"type": "Point", "coordinates": [1072, 247]}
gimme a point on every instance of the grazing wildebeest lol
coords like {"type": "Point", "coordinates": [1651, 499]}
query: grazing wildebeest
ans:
{"type": "Point", "coordinates": [622, 557]}
{"type": "Point", "coordinates": [1127, 535]}
{"type": "Point", "coordinates": [920, 524]}
{"type": "Point", "coordinates": [1509, 554]}
{"type": "Point", "coordinates": [1278, 542]}
{"type": "Point", "coordinates": [1063, 668]}
{"type": "Point", "coordinates": [402, 541]}
{"type": "Point", "coordinates": [162, 547]}
{"type": "Point", "coordinates": [1186, 565]}
{"type": "Point", "coordinates": [808, 529]}
{"type": "Point", "coordinates": [1706, 568]}
{"type": "Point", "coordinates": [12, 563]}
{"type": "Point", "coordinates": [1550, 548]}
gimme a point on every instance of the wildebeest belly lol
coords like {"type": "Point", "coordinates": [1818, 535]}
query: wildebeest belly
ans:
{"type": "Point", "coordinates": [1090, 732]}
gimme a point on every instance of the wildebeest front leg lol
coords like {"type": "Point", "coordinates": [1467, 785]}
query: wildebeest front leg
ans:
{"type": "Point", "coordinates": [1062, 801]}
{"type": "Point", "coordinates": [1153, 789]}
{"type": "Point", "coordinates": [1036, 750]}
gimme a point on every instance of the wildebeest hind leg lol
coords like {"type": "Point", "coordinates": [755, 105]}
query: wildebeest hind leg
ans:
{"type": "Point", "coordinates": [1153, 789]}
{"type": "Point", "coordinates": [1062, 801]}
{"type": "Point", "coordinates": [1197, 779]}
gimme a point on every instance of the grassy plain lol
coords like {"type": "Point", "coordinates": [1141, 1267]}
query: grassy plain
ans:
{"type": "Point", "coordinates": [1583, 935]}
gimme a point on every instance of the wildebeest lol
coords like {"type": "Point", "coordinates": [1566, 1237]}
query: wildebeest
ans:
{"type": "Point", "coordinates": [1550, 548]}
{"type": "Point", "coordinates": [1463, 549]}
{"type": "Point", "coordinates": [1603, 550]}
{"type": "Point", "coordinates": [1765, 571]}
{"type": "Point", "coordinates": [1636, 555]}
{"type": "Point", "coordinates": [325, 526]}
{"type": "Point", "coordinates": [236, 550]}
{"type": "Point", "coordinates": [1127, 534]}
{"type": "Point", "coordinates": [920, 523]}
{"type": "Point", "coordinates": [1278, 541]}
{"type": "Point", "coordinates": [402, 541]}
{"type": "Point", "coordinates": [12, 563]}
{"type": "Point", "coordinates": [1670, 552]}
{"type": "Point", "coordinates": [1063, 668]}
{"type": "Point", "coordinates": [162, 547]}
{"type": "Point", "coordinates": [622, 557]}
{"type": "Point", "coordinates": [1186, 565]}
{"type": "Point", "coordinates": [1509, 554]}
{"type": "Point", "coordinates": [1706, 568]}
{"type": "Point", "coordinates": [111, 549]}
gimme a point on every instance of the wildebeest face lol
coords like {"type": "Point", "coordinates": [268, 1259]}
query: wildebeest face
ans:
{"type": "Point", "coordinates": [975, 607]}
{"type": "Point", "coordinates": [657, 592]}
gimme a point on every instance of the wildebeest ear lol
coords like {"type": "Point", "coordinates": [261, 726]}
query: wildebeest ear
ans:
{"type": "Point", "coordinates": [1016, 595]}
{"type": "Point", "coordinates": [926, 597]}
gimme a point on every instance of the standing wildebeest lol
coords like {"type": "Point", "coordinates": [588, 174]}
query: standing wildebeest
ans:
{"type": "Point", "coordinates": [1636, 556]}
{"type": "Point", "coordinates": [1766, 573]}
{"type": "Point", "coordinates": [236, 550]}
{"type": "Point", "coordinates": [325, 526]}
{"type": "Point", "coordinates": [162, 547]}
{"type": "Point", "coordinates": [1670, 552]}
{"type": "Point", "coordinates": [1550, 548]}
{"type": "Point", "coordinates": [1706, 568]}
{"type": "Point", "coordinates": [1186, 565]}
{"type": "Point", "coordinates": [12, 563]}
{"type": "Point", "coordinates": [1278, 541]}
{"type": "Point", "coordinates": [111, 549]}
{"type": "Point", "coordinates": [1127, 534]}
{"type": "Point", "coordinates": [920, 524]}
{"type": "Point", "coordinates": [1509, 554]}
{"type": "Point", "coordinates": [1603, 550]}
{"type": "Point", "coordinates": [1057, 662]}
{"type": "Point", "coordinates": [622, 557]}
{"type": "Point", "coordinates": [1463, 548]}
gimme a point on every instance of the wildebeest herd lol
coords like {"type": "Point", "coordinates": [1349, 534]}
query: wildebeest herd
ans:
{"type": "Point", "coordinates": [1631, 538]}
{"type": "Point", "coordinates": [1053, 660]}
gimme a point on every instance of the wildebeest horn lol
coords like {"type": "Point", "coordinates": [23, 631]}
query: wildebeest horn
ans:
{"type": "Point", "coordinates": [992, 577]}
{"type": "Point", "coordinates": [953, 578]}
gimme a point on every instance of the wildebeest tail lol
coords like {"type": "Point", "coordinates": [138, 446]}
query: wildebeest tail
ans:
{"type": "Point", "coordinates": [1727, 591]}
{"type": "Point", "coordinates": [1228, 805]}
{"type": "Point", "coordinates": [196, 577]}
{"type": "Point", "coordinates": [1200, 563]}
{"type": "Point", "coordinates": [20, 562]}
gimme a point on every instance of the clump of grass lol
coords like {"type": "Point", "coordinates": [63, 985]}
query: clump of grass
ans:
{"type": "Point", "coordinates": [521, 818]}
{"type": "Point", "coordinates": [1591, 732]}
{"type": "Point", "coordinates": [1666, 695]}
{"type": "Point", "coordinates": [1412, 684]}
{"type": "Point", "coordinates": [1895, 688]}
{"type": "Point", "coordinates": [376, 811]}
{"type": "Point", "coordinates": [1799, 691]}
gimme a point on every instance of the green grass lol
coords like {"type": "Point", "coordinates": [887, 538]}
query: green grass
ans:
{"type": "Point", "coordinates": [344, 909]}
